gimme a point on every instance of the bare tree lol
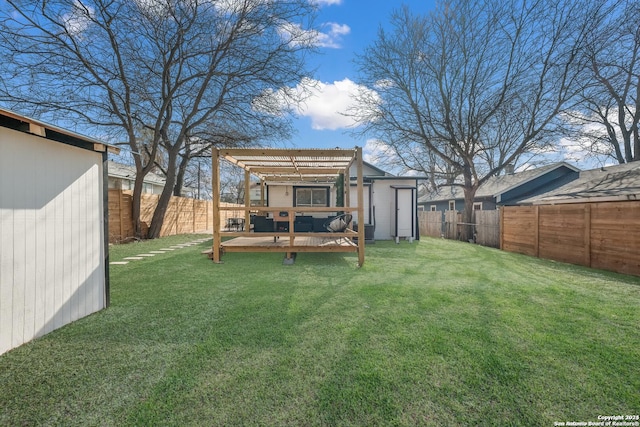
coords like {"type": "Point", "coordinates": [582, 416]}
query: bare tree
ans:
{"type": "Point", "coordinates": [153, 73]}
{"type": "Point", "coordinates": [473, 85]}
{"type": "Point", "coordinates": [232, 185]}
{"type": "Point", "coordinates": [606, 122]}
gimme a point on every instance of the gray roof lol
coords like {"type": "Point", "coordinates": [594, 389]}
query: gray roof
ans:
{"type": "Point", "coordinates": [495, 185]}
{"type": "Point", "coordinates": [610, 183]}
{"type": "Point", "coordinates": [119, 170]}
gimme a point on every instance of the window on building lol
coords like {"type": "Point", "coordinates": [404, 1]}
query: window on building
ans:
{"type": "Point", "coordinates": [311, 196]}
{"type": "Point", "coordinates": [452, 205]}
{"type": "Point", "coordinates": [432, 208]}
{"type": "Point", "coordinates": [477, 206]}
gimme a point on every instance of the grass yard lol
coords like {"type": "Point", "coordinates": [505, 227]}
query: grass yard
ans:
{"type": "Point", "coordinates": [431, 333]}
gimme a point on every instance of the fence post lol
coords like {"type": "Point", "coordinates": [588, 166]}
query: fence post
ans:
{"type": "Point", "coordinates": [587, 235]}
{"type": "Point", "coordinates": [536, 236]}
{"type": "Point", "coordinates": [120, 215]}
{"type": "Point", "coordinates": [502, 227]}
{"type": "Point", "coordinates": [193, 211]}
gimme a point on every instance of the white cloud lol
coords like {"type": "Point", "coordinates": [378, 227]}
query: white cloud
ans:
{"type": "Point", "coordinates": [382, 155]}
{"type": "Point", "coordinates": [573, 150]}
{"type": "Point", "coordinates": [78, 19]}
{"type": "Point", "coordinates": [333, 37]}
{"type": "Point", "coordinates": [153, 7]}
{"type": "Point", "coordinates": [326, 2]}
{"type": "Point", "coordinates": [297, 35]}
{"type": "Point", "coordinates": [328, 104]}
{"type": "Point", "coordinates": [376, 151]}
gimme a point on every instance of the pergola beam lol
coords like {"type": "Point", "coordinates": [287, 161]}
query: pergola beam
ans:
{"type": "Point", "coordinates": [300, 170]}
{"type": "Point", "coordinates": [271, 152]}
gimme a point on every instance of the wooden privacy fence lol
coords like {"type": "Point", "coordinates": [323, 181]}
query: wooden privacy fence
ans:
{"type": "Point", "coordinates": [452, 219]}
{"type": "Point", "coordinates": [602, 235]}
{"type": "Point", "coordinates": [184, 215]}
{"type": "Point", "coordinates": [485, 226]}
{"type": "Point", "coordinates": [430, 223]}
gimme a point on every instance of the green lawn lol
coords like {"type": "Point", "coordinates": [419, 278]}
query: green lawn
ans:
{"type": "Point", "coordinates": [430, 333]}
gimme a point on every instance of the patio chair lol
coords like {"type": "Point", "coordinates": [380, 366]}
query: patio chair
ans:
{"type": "Point", "coordinates": [339, 223]}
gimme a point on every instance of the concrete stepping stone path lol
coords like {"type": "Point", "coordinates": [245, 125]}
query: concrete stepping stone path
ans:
{"type": "Point", "coordinates": [159, 252]}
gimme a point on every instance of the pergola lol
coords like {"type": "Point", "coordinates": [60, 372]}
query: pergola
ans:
{"type": "Point", "coordinates": [288, 165]}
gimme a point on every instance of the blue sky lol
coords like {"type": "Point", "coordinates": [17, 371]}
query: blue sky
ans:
{"type": "Point", "coordinates": [348, 27]}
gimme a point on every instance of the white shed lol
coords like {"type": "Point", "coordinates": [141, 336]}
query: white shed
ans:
{"type": "Point", "coordinates": [53, 228]}
{"type": "Point", "coordinates": [390, 205]}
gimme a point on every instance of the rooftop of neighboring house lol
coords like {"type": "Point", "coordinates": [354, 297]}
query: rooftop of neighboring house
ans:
{"type": "Point", "coordinates": [497, 185]}
{"type": "Point", "coordinates": [119, 170]}
{"type": "Point", "coordinates": [609, 183]}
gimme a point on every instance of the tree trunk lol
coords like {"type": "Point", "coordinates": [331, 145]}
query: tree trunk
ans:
{"type": "Point", "coordinates": [636, 144]}
{"type": "Point", "coordinates": [135, 205]}
{"type": "Point", "coordinates": [136, 202]}
{"type": "Point", "coordinates": [466, 233]}
{"type": "Point", "coordinates": [182, 169]}
{"type": "Point", "coordinates": [470, 188]}
{"type": "Point", "coordinates": [163, 202]}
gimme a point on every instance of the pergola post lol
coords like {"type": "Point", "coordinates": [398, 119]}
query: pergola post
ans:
{"type": "Point", "coordinates": [247, 199]}
{"type": "Point", "coordinates": [345, 189]}
{"type": "Point", "coordinates": [215, 189]}
{"type": "Point", "coordinates": [360, 187]}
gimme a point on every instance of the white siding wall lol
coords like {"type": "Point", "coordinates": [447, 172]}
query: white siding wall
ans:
{"type": "Point", "coordinates": [281, 195]}
{"type": "Point", "coordinates": [51, 236]}
{"type": "Point", "coordinates": [353, 199]}
{"type": "Point", "coordinates": [278, 197]}
{"type": "Point", "coordinates": [383, 199]}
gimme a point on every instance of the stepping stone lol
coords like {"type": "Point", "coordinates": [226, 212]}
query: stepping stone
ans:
{"type": "Point", "coordinates": [168, 249]}
{"type": "Point", "coordinates": [119, 262]}
{"type": "Point", "coordinates": [135, 258]}
{"type": "Point", "coordinates": [146, 255]}
{"type": "Point", "coordinates": [157, 252]}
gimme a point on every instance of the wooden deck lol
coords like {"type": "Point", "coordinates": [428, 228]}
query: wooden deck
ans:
{"type": "Point", "coordinates": [293, 166]}
{"type": "Point", "coordinates": [283, 244]}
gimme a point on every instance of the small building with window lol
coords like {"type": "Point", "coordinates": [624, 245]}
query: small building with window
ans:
{"type": "Point", "coordinates": [313, 200]}
{"type": "Point", "coordinates": [390, 202]}
{"type": "Point", "coordinates": [503, 190]}
{"type": "Point", "coordinates": [123, 177]}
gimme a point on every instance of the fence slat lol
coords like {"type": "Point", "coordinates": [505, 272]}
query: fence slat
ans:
{"type": "Point", "coordinates": [486, 226]}
{"type": "Point", "coordinates": [430, 223]}
{"type": "Point", "coordinates": [602, 235]}
{"type": "Point", "coordinates": [184, 215]}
